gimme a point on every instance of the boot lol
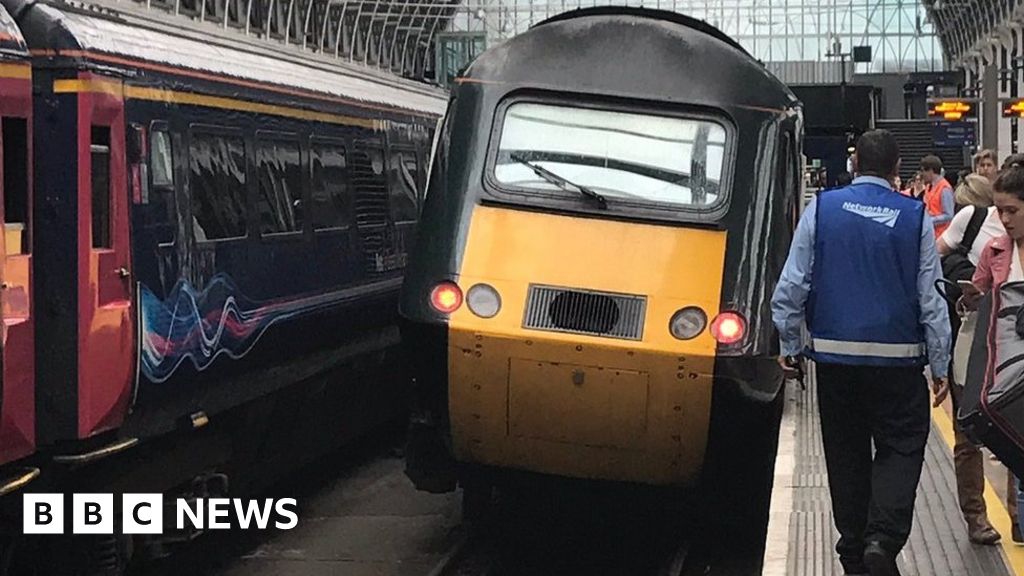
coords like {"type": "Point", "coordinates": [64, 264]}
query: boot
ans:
{"type": "Point", "coordinates": [879, 561]}
{"type": "Point", "coordinates": [982, 533]}
{"type": "Point", "coordinates": [969, 465]}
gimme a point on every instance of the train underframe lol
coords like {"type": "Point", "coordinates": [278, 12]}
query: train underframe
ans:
{"type": "Point", "coordinates": [241, 453]}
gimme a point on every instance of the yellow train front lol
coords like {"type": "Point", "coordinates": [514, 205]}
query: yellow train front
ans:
{"type": "Point", "coordinates": [611, 200]}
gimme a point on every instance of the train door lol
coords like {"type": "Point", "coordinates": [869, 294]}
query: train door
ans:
{"type": "Point", "coordinates": [106, 358]}
{"type": "Point", "coordinates": [17, 400]}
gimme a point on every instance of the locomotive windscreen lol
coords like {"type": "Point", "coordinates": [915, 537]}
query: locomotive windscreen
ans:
{"type": "Point", "coordinates": [625, 155]}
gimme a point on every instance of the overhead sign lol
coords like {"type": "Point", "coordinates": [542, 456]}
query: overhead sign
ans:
{"type": "Point", "coordinates": [1013, 108]}
{"type": "Point", "coordinates": [862, 53]}
{"type": "Point", "coordinates": [951, 108]}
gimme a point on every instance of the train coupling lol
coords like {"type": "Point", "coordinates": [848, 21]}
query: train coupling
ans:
{"type": "Point", "coordinates": [428, 461]}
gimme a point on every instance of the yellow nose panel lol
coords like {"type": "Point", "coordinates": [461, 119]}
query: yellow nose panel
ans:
{"type": "Point", "coordinates": [579, 405]}
{"type": "Point", "coordinates": [544, 397]}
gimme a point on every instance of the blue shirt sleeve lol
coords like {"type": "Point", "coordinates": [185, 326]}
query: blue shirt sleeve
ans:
{"type": "Point", "coordinates": [948, 207]}
{"type": "Point", "coordinates": [790, 297]}
{"type": "Point", "coordinates": [934, 313]}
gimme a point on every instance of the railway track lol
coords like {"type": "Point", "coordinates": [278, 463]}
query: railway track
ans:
{"type": "Point", "coordinates": [498, 552]}
{"type": "Point", "coordinates": [375, 521]}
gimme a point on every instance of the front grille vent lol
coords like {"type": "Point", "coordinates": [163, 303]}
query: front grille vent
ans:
{"type": "Point", "coordinates": [585, 312]}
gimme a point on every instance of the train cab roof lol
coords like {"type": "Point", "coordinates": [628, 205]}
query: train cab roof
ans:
{"type": "Point", "coordinates": [632, 53]}
{"type": "Point", "coordinates": [12, 44]}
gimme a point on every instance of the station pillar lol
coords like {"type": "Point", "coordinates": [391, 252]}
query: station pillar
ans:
{"type": "Point", "coordinates": [989, 119]}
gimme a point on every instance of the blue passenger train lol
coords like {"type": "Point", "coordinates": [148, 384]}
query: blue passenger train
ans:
{"type": "Point", "coordinates": [210, 248]}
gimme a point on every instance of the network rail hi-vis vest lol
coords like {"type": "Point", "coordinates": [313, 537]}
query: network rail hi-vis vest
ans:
{"type": "Point", "coordinates": [933, 200]}
{"type": "Point", "coordinates": [864, 304]}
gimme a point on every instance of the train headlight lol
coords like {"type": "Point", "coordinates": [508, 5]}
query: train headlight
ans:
{"type": "Point", "coordinates": [483, 300]}
{"type": "Point", "coordinates": [688, 323]}
{"type": "Point", "coordinates": [446, 297]}
{"type": "Point", "coordinates": [729, 327]}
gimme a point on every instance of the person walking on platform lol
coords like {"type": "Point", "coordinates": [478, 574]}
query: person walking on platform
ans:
{"type": "Point", "coordinates": [861, 274]}
{"type": "Point", "coordinates": [986, 165]}
{"type": "Point", "coordinates": [960, 246]}
{"type": "Point", "coordinates": [1000, 262]}
{"type": "Point", "coordinates": [915, 188]}
{"type": "Point", "coordinates": [938, 196]}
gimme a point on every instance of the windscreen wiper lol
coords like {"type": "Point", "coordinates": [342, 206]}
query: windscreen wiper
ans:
{"type": "Point", "coordinates": [561, 182]}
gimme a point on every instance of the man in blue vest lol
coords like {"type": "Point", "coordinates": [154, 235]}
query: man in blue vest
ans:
{"type": "Point", "coordinates": [861, 274]}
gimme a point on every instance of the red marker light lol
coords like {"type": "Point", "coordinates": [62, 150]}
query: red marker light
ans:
{"type": "Point", "coordinates": [446, 297]}
{"type": "Point", "coordinates": [729, 328]}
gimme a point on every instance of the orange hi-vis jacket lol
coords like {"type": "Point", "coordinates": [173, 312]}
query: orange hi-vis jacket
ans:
{"type": "Point", "coordinates": [933, 203]}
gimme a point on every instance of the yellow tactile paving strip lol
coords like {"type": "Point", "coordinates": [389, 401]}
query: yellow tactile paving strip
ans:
{"type": "Point", "coordinates": [997, 513]}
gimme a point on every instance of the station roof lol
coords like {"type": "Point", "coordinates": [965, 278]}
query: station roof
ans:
{"type": "Point", "coordinates": [395, 36]}
{"type": "Point", "coordinates": [808, 36]}
{"type": "Point", "coordinates": [401, 36]}
{"type": "Point", "coordinates": [970, 29]}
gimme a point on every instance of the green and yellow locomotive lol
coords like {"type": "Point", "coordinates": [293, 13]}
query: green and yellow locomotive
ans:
{"type": "Point", "coordinates": [612, 197]}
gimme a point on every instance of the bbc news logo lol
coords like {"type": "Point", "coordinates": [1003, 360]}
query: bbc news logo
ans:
{"type": "Point", "coordinates": [144, 514]}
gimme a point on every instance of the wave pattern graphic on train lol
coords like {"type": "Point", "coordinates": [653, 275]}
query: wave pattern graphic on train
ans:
{"type": "Point", "coordinates": [201, 326]}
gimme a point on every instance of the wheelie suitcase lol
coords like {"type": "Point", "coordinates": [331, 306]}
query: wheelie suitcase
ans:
{"type": "Point", "coordinates": [992, 411]}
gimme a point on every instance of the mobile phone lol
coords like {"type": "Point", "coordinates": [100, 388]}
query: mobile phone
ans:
{"type": "Point", "coordinates": [967, 286]}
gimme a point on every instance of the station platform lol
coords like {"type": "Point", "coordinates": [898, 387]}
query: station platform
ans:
{"type": "Point", "coordinates": [802, 537]}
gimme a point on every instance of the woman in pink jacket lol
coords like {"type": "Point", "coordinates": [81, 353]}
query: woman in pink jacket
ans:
{"type": "Point", "coordinates": [1000, 261]}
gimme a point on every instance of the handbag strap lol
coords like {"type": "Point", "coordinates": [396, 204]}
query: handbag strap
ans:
{"type": "Point", "coordinates": [973, 229]}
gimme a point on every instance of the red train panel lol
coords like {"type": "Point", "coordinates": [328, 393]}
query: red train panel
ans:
{"type": "Point", "coordinates": [17, 404]}
{"type": "Point", "coordinates": [106, 347]}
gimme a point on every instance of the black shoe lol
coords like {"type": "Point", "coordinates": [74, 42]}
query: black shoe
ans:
{"type": "Point", "coordinates": [854, 569]}
{"type": "Point", "coordinates": [879, 561]}
{"type": "Point", "coordinates": [1015, 534]}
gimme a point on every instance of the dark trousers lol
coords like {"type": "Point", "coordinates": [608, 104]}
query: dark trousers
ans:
{"type": "Point", "coordinates": [873, 494]}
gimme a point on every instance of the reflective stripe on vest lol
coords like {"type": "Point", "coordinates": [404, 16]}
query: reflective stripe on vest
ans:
{"type": "Point", "coordinates": [876, 349]}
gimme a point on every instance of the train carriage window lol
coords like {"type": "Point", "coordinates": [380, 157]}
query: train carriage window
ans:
{"type": "Point", "coordinates": [217, 186]}
{"type": "Point", "coordinates": [404, 185]}
{"type": "Point", "coordinates": [279, 173]}
{"type": "Point", "coordinates": [161, 158]}
{"type": "Point", "coordinates": [411, 163]}
{"type": "Point", "coordinates": [101, 209]}
{"type": "Point", "coordinates": [625, 156]}
{"type": "Point", "coordinates": [330, 195]}
{"type": "Point", "coordinates": [16, 190]}
{"type": "Point", "coordinates": [371, 187]}
{"type": "Point", "coordinates": [163, 206]}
